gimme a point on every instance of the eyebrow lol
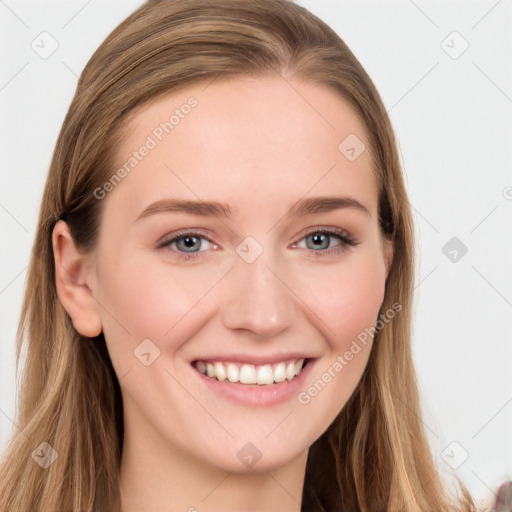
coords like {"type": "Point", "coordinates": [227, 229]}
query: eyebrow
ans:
{"type": "Point", "coordinates": [301, 208]}
{"type": "Point", "coordinates": [203, 208]}
{"type": "Point", "coordinates": [313, 205]}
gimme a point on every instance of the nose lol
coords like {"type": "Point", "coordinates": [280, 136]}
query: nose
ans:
{"type": "Point", "coordinates": [259, 298]}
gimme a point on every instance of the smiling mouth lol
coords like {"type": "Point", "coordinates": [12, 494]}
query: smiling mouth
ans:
{"type": "Point", "coordinates": [261, 374]}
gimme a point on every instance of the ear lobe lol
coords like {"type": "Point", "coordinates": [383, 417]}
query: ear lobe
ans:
{"type": "Point", "coordinates": [388, 255]}
{"type": "Point", "coordinates": [73, 280]}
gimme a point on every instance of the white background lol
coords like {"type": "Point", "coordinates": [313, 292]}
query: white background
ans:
{"type": "Point", "coordinates": [452, 117]}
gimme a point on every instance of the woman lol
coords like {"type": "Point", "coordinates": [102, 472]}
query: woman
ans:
{"type": "Point", "coordinates": [218, 305]}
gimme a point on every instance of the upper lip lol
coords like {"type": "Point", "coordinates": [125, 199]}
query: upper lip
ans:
{"type": "Point", "coordinates": [255, 360]}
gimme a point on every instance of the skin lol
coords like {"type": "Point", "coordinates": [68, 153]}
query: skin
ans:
{"type": "Point", "coordinates": [259, 145]}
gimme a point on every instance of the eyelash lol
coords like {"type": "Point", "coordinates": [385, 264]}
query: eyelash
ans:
{"type": "Point", "coordinates": [347, 242]}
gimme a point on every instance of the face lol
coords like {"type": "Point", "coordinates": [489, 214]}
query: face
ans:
{"type": "Point", "coordinates": [242, 242]}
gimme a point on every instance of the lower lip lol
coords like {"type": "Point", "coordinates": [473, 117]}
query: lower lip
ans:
{"type": "Point", "coordinates": [257, 395]}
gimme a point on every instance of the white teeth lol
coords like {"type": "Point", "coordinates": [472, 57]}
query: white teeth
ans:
{"type": "Point", "coordinates": [232, 372]}
{"type": "Point", "coordinates": [247, 374]}
{"type": "Point", "coordinates": [290, 371]}
{"type": "Point", "coordinates": [220, 371]}
{"type": "Point", "coordinates": [280, 373]}
{"type": "Point", "coordinates": [265, 374]}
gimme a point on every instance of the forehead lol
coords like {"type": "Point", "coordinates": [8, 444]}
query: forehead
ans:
{"type": "Point", "coordinates": [252, 139]}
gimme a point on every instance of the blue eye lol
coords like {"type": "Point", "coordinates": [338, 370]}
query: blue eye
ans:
{"type": "Point", "coordinates": [187, 244]}
{"type": "Point", "coordinates": [321, 241]}
{"type": "Point", "coordinates": [318, 240]}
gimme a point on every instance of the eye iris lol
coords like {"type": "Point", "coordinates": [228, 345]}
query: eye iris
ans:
{"type": "Point", "coordinates": [189, 242]}
{"type": "Point", "coordinates": [319, 238]}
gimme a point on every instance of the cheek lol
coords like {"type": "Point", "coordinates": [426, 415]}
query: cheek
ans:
{"type": "Point", "coordinates": [357, 306]}
{"type": "Point", "coordinates": [349, 315]}
{"type": "Point", "coordinates": [347, 301]}
{"type": "Point", "coordinates": [347, 297]}
{"type": "Point", "coordinates": [143, 298]}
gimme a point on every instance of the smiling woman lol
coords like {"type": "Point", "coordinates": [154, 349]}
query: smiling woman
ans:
{"type": "Point", "coordinates": [225, 325]}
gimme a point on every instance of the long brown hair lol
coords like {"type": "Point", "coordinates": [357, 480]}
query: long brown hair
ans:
{"type": "Point", "coordinates": [374, 456]}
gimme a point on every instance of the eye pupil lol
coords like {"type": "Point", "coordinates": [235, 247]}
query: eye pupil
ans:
{"type": "Point", "coordinates": [189, 241]}
{"type": "Point", "coordinates": [320, 239]}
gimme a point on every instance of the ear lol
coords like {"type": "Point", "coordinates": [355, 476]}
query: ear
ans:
{"type": "Point", "coordinates": [73, 278]}
{"type": "Point", "coordinates": [388, 255]}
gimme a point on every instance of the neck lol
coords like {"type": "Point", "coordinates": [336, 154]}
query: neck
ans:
{"type": "Point", "coordinates": [156, 477]}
